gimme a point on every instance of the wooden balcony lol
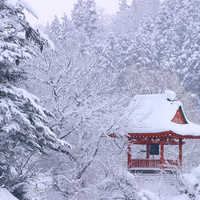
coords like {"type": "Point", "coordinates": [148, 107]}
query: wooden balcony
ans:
{"type": "Point", "coordinates": [154, 164]}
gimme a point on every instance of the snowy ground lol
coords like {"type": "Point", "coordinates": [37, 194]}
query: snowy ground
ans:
{"type": "Point", "coordinates": [158, 186]}
{"type": "Point", "coordinates": [170, 186]}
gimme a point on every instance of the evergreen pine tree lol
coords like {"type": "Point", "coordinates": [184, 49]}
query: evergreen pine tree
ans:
{"type": "Point", "coordinates": [91, 17]}
{"type": "Point", "coordinates": [85, 16]}
{"type": "Point", "coordinates": [123, 5]}
{"type": "Point", "coordinates": [173, 42]}
{"type": "Point", "coordinates": [54, 30]}
{"type": "Point", "coordinates": [23, 129]}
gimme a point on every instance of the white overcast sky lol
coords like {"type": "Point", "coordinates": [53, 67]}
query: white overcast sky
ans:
{"type": "Point", "coordinates": [47, 9]}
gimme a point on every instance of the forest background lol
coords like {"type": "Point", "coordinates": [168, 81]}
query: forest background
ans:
{"type": "Point", "coordinates": [95, 66]}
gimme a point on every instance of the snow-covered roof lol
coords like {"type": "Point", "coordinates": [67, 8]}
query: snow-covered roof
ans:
{"type": "Point", "coordinates": [154, 114]}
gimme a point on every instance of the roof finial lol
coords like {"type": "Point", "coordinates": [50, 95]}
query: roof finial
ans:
{"type": "Point", "coordinates": [170, 95]}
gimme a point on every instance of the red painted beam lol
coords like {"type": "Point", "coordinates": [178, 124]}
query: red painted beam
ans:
{"type": "Point", "coordinates": [168, 134]}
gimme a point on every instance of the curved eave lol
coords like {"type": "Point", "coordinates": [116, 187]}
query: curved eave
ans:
{"type": "Point", "coordinates": [169, 134]}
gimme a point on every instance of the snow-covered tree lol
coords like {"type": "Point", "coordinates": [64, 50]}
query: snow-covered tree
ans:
{"type": "Point", "coordinates": [173, 41]}
{"type": "Point", "coordinates": [123, 5]}
{"type": "Point", "coordinates": [82, 95]}
{"type": "Point", "coordinates": [55, 29]}
{"type": "Point", "coordinates": [128, 19]}
{"type": "Point", "coordinates": [91, 17]}
{"type": "Point", "coordinates": [88, 82]}
{"type": "Point", "coordinates": [23, 128]}
{"type": "Point", "coordinates": [85, 16]}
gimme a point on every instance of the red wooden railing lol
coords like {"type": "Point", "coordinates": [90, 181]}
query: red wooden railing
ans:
{"type": "Point", "coordinates": [147, 163]}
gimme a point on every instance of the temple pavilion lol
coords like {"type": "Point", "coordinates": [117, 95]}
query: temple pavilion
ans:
{"type": "Point", "coordinates": [156, 130]}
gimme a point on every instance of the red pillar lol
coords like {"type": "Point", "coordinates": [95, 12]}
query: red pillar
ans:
{"type": "Point", "coordinates": [161, 155]}
{"type": "Point", "coordinates": [148, 150]}
{"type": "Point", "coordinates": [129, 155]}
{"type": "Point", "coordinates": [180, 152]}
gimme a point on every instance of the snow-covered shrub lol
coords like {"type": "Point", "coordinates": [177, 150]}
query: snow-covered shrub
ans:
{"type": "Point", "coordinates": [190, 183]}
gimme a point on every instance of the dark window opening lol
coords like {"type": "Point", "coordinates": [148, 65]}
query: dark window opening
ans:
{"type": "Point", "coordinates": [154, 149]}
